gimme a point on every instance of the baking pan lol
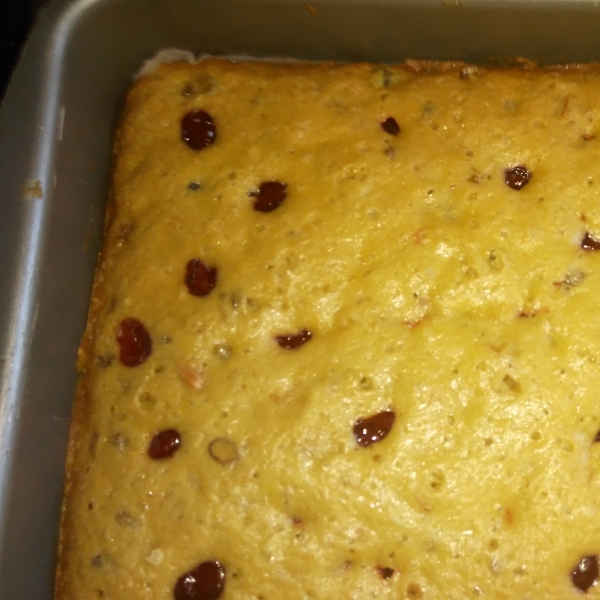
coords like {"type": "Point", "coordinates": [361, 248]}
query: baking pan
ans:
{"type": "Point", "coordinates": [56, 124]}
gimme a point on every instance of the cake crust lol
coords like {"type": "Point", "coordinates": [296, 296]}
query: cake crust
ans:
{"type": "Point", "coordinates": [382, 382]}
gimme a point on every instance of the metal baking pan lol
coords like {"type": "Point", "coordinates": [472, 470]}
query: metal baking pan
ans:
{"type": "Point", "coordinates": [56, 125]}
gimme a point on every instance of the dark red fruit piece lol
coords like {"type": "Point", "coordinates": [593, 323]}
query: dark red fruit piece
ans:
{"type": "Point", "coordinates": [517, 177]}
{"type": "Point", "coordinates": [390, 126]}
{"type": "Point", "coordinates": [200, 278]}
{"type": "Point", "coordinates": [373, 429]}
{"type": "Point", "coordinates": [269, 196]}
{"type": "Point", "coordinates": [291, 341]}
{"type": "Point", "coordinates": [164, 444]}
{"type": "Point", "coordinates": [198, 129]}
{"type": "Point", "coordinates": [135, 344]}
{"type": "Point", "coordinates": [385, 572]}
{"type": "Point", "coordinates": [589, 243]}
{"type": "Point", "coordinates": [204, 582]}
{"type": "Point", "coordinates": [585, 573]}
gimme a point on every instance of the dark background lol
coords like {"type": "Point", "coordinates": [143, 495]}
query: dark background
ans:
{"type": "Point", "coordinates": [16, 17]}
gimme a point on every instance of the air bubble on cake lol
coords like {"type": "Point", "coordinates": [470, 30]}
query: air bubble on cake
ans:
{"type": "Point", "coordinates": [477, 176]}
{"type": "Point", "coordinates": [124, 519]}
{"type": "Point", "coordinates": [98, 561]}
{"type": "Point", "coordinates": [414, 591]}
{"type": "Point", "coordinates": [495, 260]}
{"type": "Point", "coordinates": [222, 351]}
{"type": "Point", "coordinates": [146, 400]}
{"type": "Point", "coordinates": [104, 361]}
{"type": "Point", "coordinates": [365, 383]}
{"type": "Point", "coordinates": [511, 383]}
{"type": "Point", "coordinates": [438, 480]}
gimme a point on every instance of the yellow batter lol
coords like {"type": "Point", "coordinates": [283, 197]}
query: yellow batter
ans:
{"type": "Point", "coordinates": [427, 288]}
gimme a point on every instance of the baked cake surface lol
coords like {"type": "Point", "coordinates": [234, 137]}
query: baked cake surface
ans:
{"type": "Point", "coordinates": [344, 339]}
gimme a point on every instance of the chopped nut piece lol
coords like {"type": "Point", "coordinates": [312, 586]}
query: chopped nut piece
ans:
{"type": "Point", "coordinates": [223, 450]}
{"type": "Point", "coordinates": [155, 557]}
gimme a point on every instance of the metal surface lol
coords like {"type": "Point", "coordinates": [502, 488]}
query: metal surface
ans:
{"type": "Point", "coordinates": [55, 135]}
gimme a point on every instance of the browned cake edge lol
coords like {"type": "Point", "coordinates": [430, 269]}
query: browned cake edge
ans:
{"type": "Point", "coordinates": [80, 414]}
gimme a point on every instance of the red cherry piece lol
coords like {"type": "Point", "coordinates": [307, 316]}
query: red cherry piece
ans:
{"type": "Point", "coordinates": [198, 130]}
{"type": "Point", "coordinates": [585, 573]}
{"type": "Point", "coordinates": [590, 243]}
{"type": "Point", "coordinates": [135, 344]}
{"type": "Point", "coordinates": [517, 177]}
{"type": "Point", "coordinates": [200, 278]}
{"type": "Point", "coordinates": [390, 126]}
{"type": "Point", "coordinates": [204, 582]}
{"type": "Point", "coordinates": [164, 444]}
{"type": "Point", "coordinates": [373, 429]}
{"type": "Point", "coordinates": [270, 195]}
{"type": "Point", "coordinates": [292, 341]}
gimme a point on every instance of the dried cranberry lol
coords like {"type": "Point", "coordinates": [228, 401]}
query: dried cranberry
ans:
{"type": "Point", "coordinates": [585, 573]}
{"type": "Point", "coordinates": [517, 177]}
{"type": "Point", "coordinates": [204, 582]}
{"type": "Point", "coordinates": [390, 126]}
{"type": "Point", "coordinates": [291, 341]}
{"type": "Point", "coordinates": [135, 345]}
{"type": "Point", "coordinates": [269, 196]}
{"type": "Point", "coordinates": [200, 278]}
{"type": "Point", "coordinates": [385, 572]}
{"type": "Point", "coordinates": [198, 129]}
{"type": "Point", "coordinates": [589, 243]}
{"type": "Point", "coordinates": [373, 429]}
{"type": "Point", "coordinates": [164, 444]}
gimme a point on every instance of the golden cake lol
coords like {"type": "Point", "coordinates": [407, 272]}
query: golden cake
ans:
{"type": "Point", "coordinates": [344, 340]}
